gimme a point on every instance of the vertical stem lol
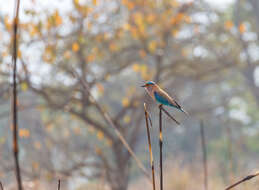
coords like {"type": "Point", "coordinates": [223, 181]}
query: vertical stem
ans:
{"type": "Point", "coordinates": [1, 186]}
{"type": "Point", "coordinates": [230, 152]}
{"type": "Point", "coordinates": [150, 148]}
{"type": "Point", "coordinates": [14, 101]}
{"type": "Point", "coordinates": [204, 151]}
{"type": "Point", "coordinates": [161, 147]}
{"type": "Point", "coordinates": [59, 184]}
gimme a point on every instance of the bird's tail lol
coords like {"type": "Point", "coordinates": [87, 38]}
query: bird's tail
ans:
{"type": "Point", "coordinates": [185, 112]}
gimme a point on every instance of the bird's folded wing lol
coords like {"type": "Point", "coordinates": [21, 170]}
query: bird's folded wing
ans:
{"type": "Point", "coordinates": [170, 99]}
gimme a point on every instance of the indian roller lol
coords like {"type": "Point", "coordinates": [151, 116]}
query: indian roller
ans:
{"type": "Point", "coordinates": [161, 97]}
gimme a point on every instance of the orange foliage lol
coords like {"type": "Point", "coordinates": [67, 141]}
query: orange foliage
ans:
{"type": "Point", "coordinates": [24, 133]}
{"type": "Point", "coordinates": [136, 67]}
{"type": "Point", "coordinates": [125, 102]}
{"type": "Point", "coordinates": [75, 47]}
{"type": "Point", "coordinates": [58, 19]}
{"type": "Point", "coordinates": [228, 25]}
{"type": "Point", "coordinates": [242, 28]}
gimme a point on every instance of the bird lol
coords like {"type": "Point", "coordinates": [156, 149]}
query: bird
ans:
{"type": "Point", "coordinates": [161, 97]}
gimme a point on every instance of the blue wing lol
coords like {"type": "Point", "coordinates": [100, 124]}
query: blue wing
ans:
{"type": "Point", "coordinates": [164, 99]}
{"type": "Point", "coordinates": [161, 99]}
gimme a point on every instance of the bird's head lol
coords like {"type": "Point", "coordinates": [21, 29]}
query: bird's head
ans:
{"type": "Point", "coordinates": [149, 85]}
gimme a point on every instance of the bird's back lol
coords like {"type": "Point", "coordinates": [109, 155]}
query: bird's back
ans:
{"type": "Point", "coordinates": [163, 98]}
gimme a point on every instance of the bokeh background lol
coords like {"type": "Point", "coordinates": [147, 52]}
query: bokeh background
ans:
{"type": "Point", "coordinates": [205, 53]}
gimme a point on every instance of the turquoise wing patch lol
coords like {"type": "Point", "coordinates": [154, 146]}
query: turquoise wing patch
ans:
{"type": "Point", "coordinates": [161, 99]}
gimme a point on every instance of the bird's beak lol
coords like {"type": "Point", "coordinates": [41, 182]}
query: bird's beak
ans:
{"type": "Point", "coordinates": [143, 85]}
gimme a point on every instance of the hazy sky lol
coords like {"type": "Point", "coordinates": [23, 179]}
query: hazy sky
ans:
{"type": "Point", "coordinates": [7, 5]}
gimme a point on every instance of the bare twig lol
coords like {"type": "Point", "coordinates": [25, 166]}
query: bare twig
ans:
{"type": "Point", "coordinates": [161, 146]}
{"type": "Point", "coordinates": [147, 117]}
{"type": "Point", "coordinates": [14, 100]}
{"type": "Point", "coordinates": [168, 114]}
{"type": "Point", "coordinates": [108, 119]}
{"type": "Point", "coordinates": [204, 153]}
{"type": "Point", "coordinates": [59, 184]}
{"type": "Point", "coordinates": [1, 186]}
{"type": "Point", "coordinates": [243, 180]}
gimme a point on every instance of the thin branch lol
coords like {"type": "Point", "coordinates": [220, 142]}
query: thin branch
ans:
{"type": "Point", "coordinates": [14, 100]}
{"type": "Point", "coordinates": [204, 153]}
{"type": "Point", "coordinates": [161, 146]}
{"type": "Point", "coordinates": [243, 180]}
{"type": "Point", "coordinates": [108, 119]}
{"type": "Point", "coordinates": [168, 114]}
{"type": "Point", "coordinates": [147, 117]}
{"type": "Point", "coordinates": [59, 184]}
{"type": "Point", "coordinates": [1, 186]}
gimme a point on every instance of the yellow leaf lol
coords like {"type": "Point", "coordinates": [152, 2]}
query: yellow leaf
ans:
{"type": "Point", "coordinates": [90, 58]}
{"type": "Point", "coordinates": [174, 3]}
{"type": "Point", "coordinates": [173, 20]}
{"type": "Point", "coordinates": [151, 18]}
{"type": "Point", "coordinates": [34, 30]}
{"type": "Point", "coordinates": [58, 19]}
{"type": "Point", "coordinates": [24, 86]}
{"type": "Point", "coordinates": [7, 23]}
{"type": "Point", "coordinates": [144, 72]}
{"type": "Point", "coordinates": [126, 26]}
{"type": "Point", "coordinates": [242, 28]}
{"type": "Point", "coordinates": [100, 88]}
{"type": "Point", "coordinates": [106, 36]}
{"type": "Point", "coordinates": [4, 53]}
{"type": "Point", "coordinates": [187, 19]}
{"type": "Point", "coordinates": [126, 119]}
{"type": "Point", "coordinates": [136, 67]}
{"type": "Point", "coordinates": [67, 54]}
{"type": "Point", "coordinates": [228, 25]}
{"type": "Point", "coordinates": [76, 2]}
{"type": "Point", "coordinates": [113, 47]}
{"type": "Point", "coordinates": [24, 133]}
{"type": "Point", "coordinates": [125, 102]}
{"type": "Point", "coordinates": [75, 47]}
{"type": "Point", "coordinates": [174, 32]}
{"type": "Point", "coordinates": [100, 135]}
{"type": "Point", "coordinates": [179, 17]}
{"type": "Point", "coordinates": [134, 32]}
{"type": "Point", "coordinates": [138, 18]}
{"type": "Point", "coordinates": [152, 46]}
{"type": "Point", "coordinates": [143, 68]}
{"type": "Point", "coordinates": [95, 2]}
{"type": "Point", "coordinates": [19, 53]}
{"type": "Point", "coordinates": [129, 4]}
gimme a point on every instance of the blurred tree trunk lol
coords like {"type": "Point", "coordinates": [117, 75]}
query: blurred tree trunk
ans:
{"type": "Point", "coordinates": [255, 7]}
{"type": "Point", "coordinates": [248, 73]}
{"type": "Point", "coordinates": [121, 176]}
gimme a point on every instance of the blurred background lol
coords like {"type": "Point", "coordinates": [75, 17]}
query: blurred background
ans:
{"type": "Point", "coordinates": [204, 52]}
